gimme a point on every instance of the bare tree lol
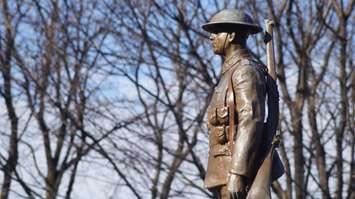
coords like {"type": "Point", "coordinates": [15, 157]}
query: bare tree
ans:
{"type": "Point", "coordinates": [8, 162]}
{"type": "Point", "coordinates": [54, 68]}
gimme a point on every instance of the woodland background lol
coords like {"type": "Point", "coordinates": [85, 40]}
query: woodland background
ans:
{"type": "Point", "coordinates": [107, 98]}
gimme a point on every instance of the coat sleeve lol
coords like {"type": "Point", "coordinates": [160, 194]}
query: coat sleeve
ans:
{"type": "Point", "coordinates": [249, 90]}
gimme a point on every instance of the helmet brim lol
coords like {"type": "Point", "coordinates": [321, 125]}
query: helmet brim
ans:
{"type": "Point", "coordinates": [215, 27]}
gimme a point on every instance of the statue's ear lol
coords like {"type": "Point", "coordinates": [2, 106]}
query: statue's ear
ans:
{"type": "Point", "coordinates": [231, 36]}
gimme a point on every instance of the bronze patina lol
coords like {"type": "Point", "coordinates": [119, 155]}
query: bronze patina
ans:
{"type": "Point", "coordinates": [239, 163]}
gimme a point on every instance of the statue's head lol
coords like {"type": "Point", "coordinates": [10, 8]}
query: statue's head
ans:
{"type": "Point", "coordinates": [230, 26]}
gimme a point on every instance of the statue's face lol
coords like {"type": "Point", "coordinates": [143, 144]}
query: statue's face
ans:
{"type": "Point", "coordinates": [219, 42]}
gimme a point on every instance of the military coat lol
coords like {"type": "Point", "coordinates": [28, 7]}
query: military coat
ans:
{"type": "Point", "coordinates": [249, 87]}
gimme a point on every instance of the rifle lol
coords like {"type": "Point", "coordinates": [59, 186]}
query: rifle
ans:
{"type": "Point", "coordinates": [261, 185]}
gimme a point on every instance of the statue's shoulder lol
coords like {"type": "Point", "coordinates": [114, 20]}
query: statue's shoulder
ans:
{"type": "Point", "coordinates": [252, 64]}
{"type": "Point", "coordinates": [248, 63]}
{"type": "Point", "coordinates": [249, 69]}
{"type": "Point", "coordinates": [251, 61]}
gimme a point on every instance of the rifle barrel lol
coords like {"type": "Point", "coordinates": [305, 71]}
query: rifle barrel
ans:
{"type": "Point", "coordinates": [269, 24]}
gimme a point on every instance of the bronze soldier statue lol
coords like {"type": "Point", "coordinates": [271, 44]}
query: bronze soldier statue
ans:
{"type": "Point", "coordinates": [238, 139]}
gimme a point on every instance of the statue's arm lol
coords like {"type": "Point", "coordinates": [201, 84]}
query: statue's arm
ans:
{"type": "Point", "coordinates": [249, 89]}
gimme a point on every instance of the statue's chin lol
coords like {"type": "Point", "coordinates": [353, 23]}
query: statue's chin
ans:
{"type": "Point", "coordinates": [217, 52]}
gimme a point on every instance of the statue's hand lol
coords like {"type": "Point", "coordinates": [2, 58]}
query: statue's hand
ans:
{"type": "Point", "coordinates": [236, 186]}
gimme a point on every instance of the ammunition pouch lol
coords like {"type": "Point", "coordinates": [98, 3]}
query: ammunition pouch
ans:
{"type": "Point", "coordinates": [219, 140]}
{"type": "Point", "coordinates": [218, 115]}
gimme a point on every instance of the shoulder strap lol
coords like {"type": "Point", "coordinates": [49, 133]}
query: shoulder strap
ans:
{"type": "Point", "coordinates": [231, 110]}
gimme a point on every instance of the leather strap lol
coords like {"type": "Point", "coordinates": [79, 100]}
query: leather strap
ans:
{"type": "Point", "coordinates": [231, 112]}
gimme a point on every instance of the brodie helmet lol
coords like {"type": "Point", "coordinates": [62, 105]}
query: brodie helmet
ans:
{"type": "Point", "coordinates": [232, 20]}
